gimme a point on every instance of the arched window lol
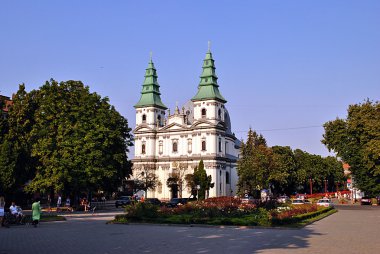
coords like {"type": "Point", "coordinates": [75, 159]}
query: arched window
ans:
{"type": "Point", "coordinates": [159, 120]}
{"type": "Point", "coordinates": [220, 114]}
{"type": "Point", "coordinates": [227, 178]}
{"type": "Point", "coordinates": [144, 118]}
{"type": "Point", "coordinates": [203, 113]}
{"type": "Point", "coordinates": [203, 145]}
{"type": "Point", "coordinates": [175, 147]}
{"type": "Point", "coordinates": [143, 149]}
{"type": "Point", "coordinates": [220, 145]}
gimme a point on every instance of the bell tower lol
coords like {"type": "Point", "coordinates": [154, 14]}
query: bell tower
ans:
{"type": "Point", "coordinates": [150, 110]}
{"type": "Point", "coordinates": [208, 102]}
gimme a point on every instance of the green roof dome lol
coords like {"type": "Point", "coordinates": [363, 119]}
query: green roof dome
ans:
{"type": "Point", "coordinates": [150, 94]}
{"type": "Point", "coordinates": [208, 86]}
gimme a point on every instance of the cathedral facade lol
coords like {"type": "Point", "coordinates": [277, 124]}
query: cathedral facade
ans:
{"type": "Point", "coordinates": [168, 144]}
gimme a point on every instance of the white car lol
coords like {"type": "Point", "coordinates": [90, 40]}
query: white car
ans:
{"type": "Point", "coordinates": [283, 199]}
{"type": "Point", "coordinates": [325, 202]}
{"type": "Point", "coordinates": [298, 201]}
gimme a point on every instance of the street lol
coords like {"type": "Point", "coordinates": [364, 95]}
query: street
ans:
{"type": "Point", "coordinates": [354, 229]}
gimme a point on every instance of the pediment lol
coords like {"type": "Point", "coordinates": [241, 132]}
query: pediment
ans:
{"type": "Point", "coordinates": [142, 128]}
{"type": "Point", "coordinates": [173, 126]}
{"type": "Point", "coordinates": [202, 123]}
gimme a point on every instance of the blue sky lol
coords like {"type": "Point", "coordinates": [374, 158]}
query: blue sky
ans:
{"type": "Point", "coordinates": [285, 67]}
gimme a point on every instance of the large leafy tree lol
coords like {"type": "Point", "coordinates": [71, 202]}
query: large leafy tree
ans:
{"type": "Point", "coordinates": [356, 140]}
{"type": "Point", "coordinates": [17, 166]}
{"type": "Point", "coordinates": [255, 164]}
{"type": "Point", "coordinates": [64, 138]}
{"type": "Point", "coordinates": [283, 170]}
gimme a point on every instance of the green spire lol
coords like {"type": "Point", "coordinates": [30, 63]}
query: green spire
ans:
{"type": "Point", "coordinates": [208, 87]}
{"type": "Point", "coordinates": [150, 94]}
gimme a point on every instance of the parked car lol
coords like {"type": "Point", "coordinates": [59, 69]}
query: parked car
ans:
{"type": "Point", "coordinates": [325, 202]}
{"type": "Point", "coordinates": [366, 201]}
{"type": "Point", "coordinates": [153, 201]}
{"type": "Point", "coordinates": [306, 201]}
{"type": "Point", "coordinates": [298, 201]}
{"type": "Point", "coordinates": [283, 199]}
{"type": "Point", "coordinates": [174, 202]}
{"type": "Point", "coordinates": [123, 201]}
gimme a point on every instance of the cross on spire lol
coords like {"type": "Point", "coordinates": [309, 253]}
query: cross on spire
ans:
{"type": "Point", "coordinates": [209, 46]}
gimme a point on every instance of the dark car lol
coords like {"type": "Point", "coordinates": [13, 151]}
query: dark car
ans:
{"type": "Point", "coordinates": [174, 202]}
{"type": "Point", "coordinates": [123, 201]}
{"type": "Point", "coordinates": [366, 201]}
{"type": "Point", "coordinates": [153, 201]}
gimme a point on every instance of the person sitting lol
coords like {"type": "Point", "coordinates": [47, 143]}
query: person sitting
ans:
{"type": "Point", "coordinates": [16, 211]}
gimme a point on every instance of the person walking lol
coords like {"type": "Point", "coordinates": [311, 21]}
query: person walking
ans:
{"type": "Point", "coordinates": [36, 212]}
{"type": "Point", "coordinates": [59, 202]}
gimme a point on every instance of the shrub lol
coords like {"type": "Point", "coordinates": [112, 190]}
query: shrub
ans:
{"type": "Point", "coordinates": [298, 217]}
{"type": "Point", "coordinates": [141, 211]}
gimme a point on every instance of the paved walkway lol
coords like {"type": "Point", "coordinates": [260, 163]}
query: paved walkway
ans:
{"type": "Point", "coordinates": [352, 230]}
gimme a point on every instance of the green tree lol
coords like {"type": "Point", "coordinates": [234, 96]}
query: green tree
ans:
{"type": "Point", "coordinates": [64, 138]}
{"type": "Point", "coordinates": [17, 166]}
{"type": "Point", "coordinates": [356, 140]}
{"type": "Point", "coordinates": [255, 165]}
{"type": "Point", "coordinates": [201, 178]}
{"type": "Point", "coordinates": [283, 170]}
{"type": "Point", "coordinates": [284, 177]}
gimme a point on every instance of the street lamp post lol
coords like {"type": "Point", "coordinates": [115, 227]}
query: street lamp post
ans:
{"type": "Point", "coordinates": [198, 188]}
{"type": "Point", "coordinates": [326, 184]}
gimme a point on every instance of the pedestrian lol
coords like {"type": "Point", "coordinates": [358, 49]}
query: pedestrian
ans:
{"type": "Point", "coordinates": [68, 201]}
{"type": "Point", "coordinates": [36, 212]}
{"type": "Point", "coordinates": [59, 202]}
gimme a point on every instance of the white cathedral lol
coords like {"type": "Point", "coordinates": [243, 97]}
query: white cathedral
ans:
{"type": "Point", "coordinates": [166, 143]}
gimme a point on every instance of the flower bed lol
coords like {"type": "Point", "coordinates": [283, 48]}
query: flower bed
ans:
{"type": "Point", "coordinates": [293, 218]}
{"type": "Point", "coordinates": [219, 211]}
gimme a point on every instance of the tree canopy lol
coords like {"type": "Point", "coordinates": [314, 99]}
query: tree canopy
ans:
{"type": "Point", "coordinates": [62, 137]}
{"type": "Point", "coordinates": [283, 170]}
{"type": "Point", "coordinates": [356, 140]}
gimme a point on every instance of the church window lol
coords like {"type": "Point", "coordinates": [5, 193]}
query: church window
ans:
{"type": "Point", "coordinates": [144, 118]}
{"type": "Point", "coordinates": [206, 79]}
{"type": "Point", "coordinates": [203, 113]}
{"type": "Point", "coordinates": [175, 146]}
{"type": "Point", "coordinates": [220, 145]}
{"type": "Point", "coordinates": [220, 114]}
{"type": "Point", "coordinates": [189, 146]}
{"type": "Point", "coordinates": [143, 149]}
{"type": "Point", "coordinates": [160, 147]}
{"type": "Point", "coordinates": [227, 178]}
{"type": "Point", "coordinates": [159, 120]}
{"type": "Point", "coordinates": [203, 145]}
